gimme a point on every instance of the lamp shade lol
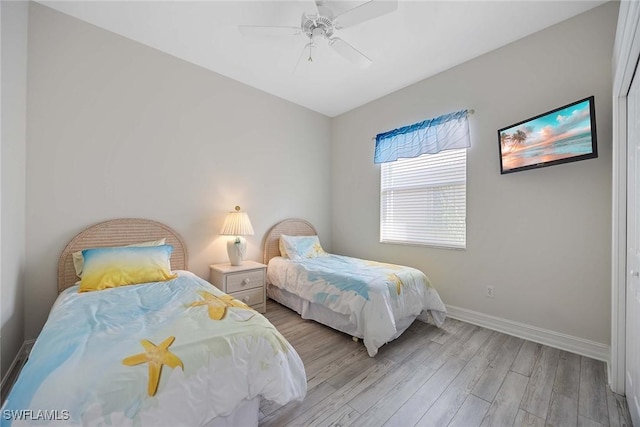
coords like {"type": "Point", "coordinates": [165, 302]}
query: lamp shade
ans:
{"type": "Point", "coordinates": [237, 224]}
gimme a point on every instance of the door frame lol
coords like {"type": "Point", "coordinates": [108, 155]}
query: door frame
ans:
{"type": "Point", "coordinates": [626, 52]}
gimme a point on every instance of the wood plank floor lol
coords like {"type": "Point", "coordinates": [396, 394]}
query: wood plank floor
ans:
{"type": "Point", "coordinates": [458, 375]}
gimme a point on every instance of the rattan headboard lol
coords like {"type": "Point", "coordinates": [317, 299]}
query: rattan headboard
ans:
{"type": "Point", "coordinates": [119, 232]}
{"type": "Point", "coordinates": [290, 227]}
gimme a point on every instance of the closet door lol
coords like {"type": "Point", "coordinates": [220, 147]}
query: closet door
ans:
{"type": "Point", "coordinates": [632, 365]}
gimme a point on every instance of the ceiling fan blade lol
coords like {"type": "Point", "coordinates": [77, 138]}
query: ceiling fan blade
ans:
{"type": "Point", "coordinates": [366, 11]}
{"type": "Point", "coordinates": [310, 7]}
{"type": "Point", "coordinates": [349, 52]}
{"type": "Point", "coordinates": [266, 30]}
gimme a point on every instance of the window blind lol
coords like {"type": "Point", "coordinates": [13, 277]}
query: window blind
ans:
{"type": "Point", "coordinates": [423, 200]}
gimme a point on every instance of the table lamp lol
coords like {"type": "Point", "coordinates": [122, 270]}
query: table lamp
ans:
{"type": "Point", "coordinates": [237, 224]}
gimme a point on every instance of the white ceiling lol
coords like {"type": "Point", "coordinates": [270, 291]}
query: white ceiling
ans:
{"type": "Point", "coordinates": [418, 40]}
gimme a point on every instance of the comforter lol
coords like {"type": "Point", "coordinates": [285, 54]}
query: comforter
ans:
{"type": "Point", "coordinates": [178, 352]}
{"type": "Point", "coordinates": [374, 295]}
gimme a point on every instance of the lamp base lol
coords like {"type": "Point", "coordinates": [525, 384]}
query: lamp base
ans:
{"type": "Point", "coordinates": [236, 249]}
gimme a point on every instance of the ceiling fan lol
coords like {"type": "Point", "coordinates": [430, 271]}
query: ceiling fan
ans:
{"type": "Point", "coordinates": [320, 22]}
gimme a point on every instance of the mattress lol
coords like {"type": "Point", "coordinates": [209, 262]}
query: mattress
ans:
{"type": "Point", "coordinates": [370, 300]}
{"type": "Point", "coordinates": [92, 363]}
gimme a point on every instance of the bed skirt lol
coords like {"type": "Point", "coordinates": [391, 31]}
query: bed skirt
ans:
{"type": "Point", "coordinates": [337, 321]}
{"type": "Point", "coordinates": [246, 414]}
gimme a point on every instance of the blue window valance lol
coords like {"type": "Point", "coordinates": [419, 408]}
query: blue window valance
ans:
{"type": "Point", "coordinates": [427, 137]}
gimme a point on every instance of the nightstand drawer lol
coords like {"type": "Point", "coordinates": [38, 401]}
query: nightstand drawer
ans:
{"type": "Point", "coordinates": [245, 280]}
{"type": "Point", "coordinates": [251, 297]}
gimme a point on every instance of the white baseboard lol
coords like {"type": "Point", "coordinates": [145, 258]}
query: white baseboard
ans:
{"type": "Point", "coordinates": [16, 365]}
{"type": "Point", "coordinates": [592, 349]}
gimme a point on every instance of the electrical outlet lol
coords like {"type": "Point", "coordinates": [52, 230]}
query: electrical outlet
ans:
{"type": "Point", "coordinates": [490, 291]}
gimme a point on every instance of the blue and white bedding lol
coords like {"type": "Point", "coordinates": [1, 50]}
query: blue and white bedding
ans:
{"type": "Point", "coordinates": [177, 353]}
{"type": "Point", "coordinates": [375, 296]}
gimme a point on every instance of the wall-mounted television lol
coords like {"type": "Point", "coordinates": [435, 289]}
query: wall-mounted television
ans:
{"type": "Point", "coordinates": [566, 134]}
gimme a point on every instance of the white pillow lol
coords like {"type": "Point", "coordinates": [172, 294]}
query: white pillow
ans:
{"type": "Point", "coordinates": [302, 247]}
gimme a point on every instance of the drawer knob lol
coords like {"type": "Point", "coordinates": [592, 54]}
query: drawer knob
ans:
{"type": "Point", "coordinates": [245, 281]}
{"type": "Point", "coordinates": [245, 299]}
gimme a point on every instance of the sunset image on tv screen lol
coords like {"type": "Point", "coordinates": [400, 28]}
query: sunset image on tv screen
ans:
{"type": "Point", "coordinates": [562, 134]}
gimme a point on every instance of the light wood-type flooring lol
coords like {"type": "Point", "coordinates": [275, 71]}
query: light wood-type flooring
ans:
{"type": "Point", "coordinates": [459, 375]}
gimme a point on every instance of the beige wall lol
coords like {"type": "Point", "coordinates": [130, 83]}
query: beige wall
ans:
{"type": "Point", "coordinates": [13, 108]}
{"type": "Point", "coordinates": [540, 237]}
{"type": "Point", "coordinates": [117, 129]}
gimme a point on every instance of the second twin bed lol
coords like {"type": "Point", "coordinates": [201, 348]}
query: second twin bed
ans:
{"type": "Point", "coordinates": [366, 299]}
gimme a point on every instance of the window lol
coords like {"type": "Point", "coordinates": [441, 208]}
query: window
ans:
{"type": "Point", "coordinates": [423, 200]}
{"type": "Point", "coordinates": [423, 185]}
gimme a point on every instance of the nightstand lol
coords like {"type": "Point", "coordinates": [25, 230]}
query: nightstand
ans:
{"type": "Point", "coordinates": [244, 282]}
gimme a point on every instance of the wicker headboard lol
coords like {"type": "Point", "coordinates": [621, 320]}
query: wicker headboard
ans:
{"type": "Point", "coordinates": [119, 232]}
{"type": "Point", "coordinates": [290, 227]}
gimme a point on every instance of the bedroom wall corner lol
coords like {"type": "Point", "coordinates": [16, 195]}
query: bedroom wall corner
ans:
{"type": "Point", "coordinates": [119, 129]}
{"type": "Point", "coordinates": [13, 112]}
{"type": "Point", "coordinates": [540, 237]}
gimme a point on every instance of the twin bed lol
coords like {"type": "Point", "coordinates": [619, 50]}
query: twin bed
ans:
{"type": "Point", "coordinates": [175, 352]}
{"type": "Point", "coordinates": [365, 299]}
{"type": "Point", "coordinates": [178, 351]}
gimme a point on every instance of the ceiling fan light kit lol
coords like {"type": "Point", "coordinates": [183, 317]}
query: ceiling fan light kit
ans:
{"type": "Point", "coordinates": [324, 24]}
{"type": "Point", "coordinates": [320, 24]}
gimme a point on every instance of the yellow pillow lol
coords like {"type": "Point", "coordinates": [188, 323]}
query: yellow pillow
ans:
{"type": "Point", "coordinates": [120, 266]}
{"type": "Point", "coordinates": [78, 259]}
{"type": "Point", "coordinates": [282, 247]}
